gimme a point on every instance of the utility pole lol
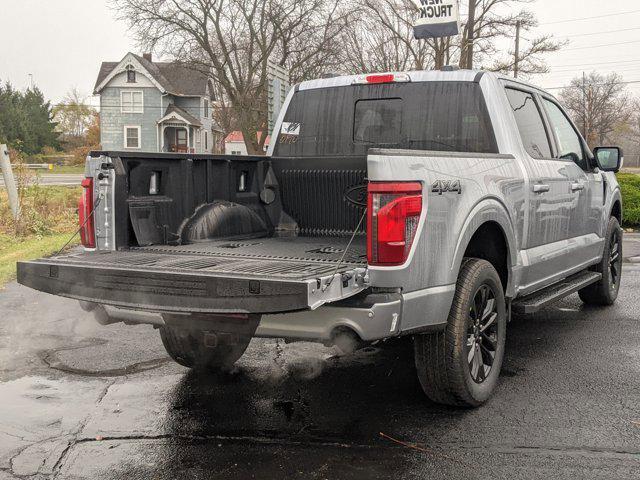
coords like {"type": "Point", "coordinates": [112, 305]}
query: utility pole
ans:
{"type": "Point", "coordinates": [9, 181]}
{"type": "Point", "coordinates": [584, 106]}
{"type": "Point", "coordinates": [516, 63]}
{"type": "Point", "coordinates": [471, 32]}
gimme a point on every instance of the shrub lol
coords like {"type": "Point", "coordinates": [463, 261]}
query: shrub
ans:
{"type": "Point", "coordinates": [630, 189]}
{"type": "Point", "coordinates": [44, 211]}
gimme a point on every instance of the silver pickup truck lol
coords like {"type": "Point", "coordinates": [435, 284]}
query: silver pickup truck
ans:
{"type": "Point", "coordinates": [430, 204]}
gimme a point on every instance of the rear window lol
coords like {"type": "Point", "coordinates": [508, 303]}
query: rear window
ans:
{"type": "Point", "coordinates": [442, 116]}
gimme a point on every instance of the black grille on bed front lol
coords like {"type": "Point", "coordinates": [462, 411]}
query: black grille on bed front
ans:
{"type": "Point", "coordinates": [316, 200]}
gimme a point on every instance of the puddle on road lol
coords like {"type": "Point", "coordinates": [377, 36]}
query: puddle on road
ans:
{"type": "Point", "coordinates": [51, 359]}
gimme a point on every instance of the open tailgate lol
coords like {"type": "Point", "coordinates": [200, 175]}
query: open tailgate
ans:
{"type": "Point", "coordinates": [175, 279]}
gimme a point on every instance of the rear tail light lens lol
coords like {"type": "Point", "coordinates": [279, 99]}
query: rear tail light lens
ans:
{"type": "Point", "coordinates": [379, 78]}
{"type": "Point", "coordinates": [382, 78]}
{"type": "Point", "coordinates": [85, 214]}
{"type": "Point", "coordinates": [393, 213]}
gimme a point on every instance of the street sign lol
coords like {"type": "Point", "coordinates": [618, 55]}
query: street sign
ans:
{"type": "Point", "coordinates": [436, 18]}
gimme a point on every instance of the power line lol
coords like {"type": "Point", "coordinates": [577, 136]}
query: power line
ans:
{"type": "Point", "coordinates": [598, 46]}
{"type": "Point", "coordinates": [600, 33]}
{"type": "Point", "coordinates": [592, 84]}
{"type": "Point", "coordinates": [590, 18]}
{"type": "Point", "coordinates": [591, 33]}
{"type": "Point", "coordinates": [598, 63]}
{"type": "Point", "coordinates": [623, 68]}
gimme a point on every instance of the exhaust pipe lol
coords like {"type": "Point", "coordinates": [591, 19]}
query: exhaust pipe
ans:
{"type": "Point", "coordinates": [107, 315]}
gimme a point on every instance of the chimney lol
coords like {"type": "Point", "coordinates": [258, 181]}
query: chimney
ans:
{"type": "Point", "coordinates": [147, 56]}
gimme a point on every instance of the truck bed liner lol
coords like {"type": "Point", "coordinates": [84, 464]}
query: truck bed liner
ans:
{"type": "Point", "coordinates": [321, 251]}
{"type": "Point", "coordinates": [264, 275]}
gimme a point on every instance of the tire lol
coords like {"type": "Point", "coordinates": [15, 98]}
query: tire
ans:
{"type": "Point", "coordinates": [605, 291]}
{"type": "Point", "coordinates": [444, 370]}
{"type": "Point", "coordinates": [202, 350]}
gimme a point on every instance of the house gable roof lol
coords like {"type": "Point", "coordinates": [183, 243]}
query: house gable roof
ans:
{"type": "Point", "coordinates": [175, 112]}
{"type": "Point", "coordinates": [170, 77]}
{"type": "Point", "coordinates": [237, 136]}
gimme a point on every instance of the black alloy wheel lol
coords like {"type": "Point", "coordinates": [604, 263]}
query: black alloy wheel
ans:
{"type": "Point", "coordinates": [615, 258]}
{"type": "Point", "coordinates": [482, 334]}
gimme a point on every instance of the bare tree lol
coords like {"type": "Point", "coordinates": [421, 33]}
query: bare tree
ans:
{"type": "Point", "coordinates": [382, 39]}
{"type": "Point", "coordinates": [496, 20]}
{"type": "Point", "coordinates": [598, 104]}
{"type": "Point", "coordinates": [73, 117]}
{"type": "Point", "coordinates": [231, 40]}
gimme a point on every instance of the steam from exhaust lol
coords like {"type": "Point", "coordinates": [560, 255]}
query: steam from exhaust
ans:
{"type": "Point", "coordinates": [300, 361]}
{"type": "Point", "coordinates": [346, 341]}
{"type": "Point", "coordinates": [29, 327]}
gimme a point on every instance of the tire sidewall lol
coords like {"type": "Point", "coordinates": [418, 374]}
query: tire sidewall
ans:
{"type": "Point", "coordinates": [480, 392]}
{"type": "Point", "coordinates": [609, 291]}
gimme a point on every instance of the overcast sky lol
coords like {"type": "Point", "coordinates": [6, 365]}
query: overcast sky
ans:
{"type": "Point", "coordinates": [62, 42]}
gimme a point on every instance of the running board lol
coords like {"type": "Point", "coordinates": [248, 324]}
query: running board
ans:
{"type": "Point", "coordinates": [535, 301]}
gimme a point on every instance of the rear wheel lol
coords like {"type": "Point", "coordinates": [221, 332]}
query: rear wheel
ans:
{"type": "Point", "coordinates": [605, 291]}
{"type": "Point", "coordinates": [203, 350]}
{"type": "Point", "coordinates": [460, 365]}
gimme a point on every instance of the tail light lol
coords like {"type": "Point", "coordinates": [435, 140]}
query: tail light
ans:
{"type": "Point", "coordinates": [393, 212]}
{"type": "Point", "coordinates": [85, 214]}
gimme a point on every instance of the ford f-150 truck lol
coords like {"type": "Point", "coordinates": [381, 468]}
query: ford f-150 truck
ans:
{"type": "Point", "coordinates": [429, 203]}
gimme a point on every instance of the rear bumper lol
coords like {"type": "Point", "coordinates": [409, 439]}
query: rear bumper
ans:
{"type": "Point", "coordinates": [372, 317]}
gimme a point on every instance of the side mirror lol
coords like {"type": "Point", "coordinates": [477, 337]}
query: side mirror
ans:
{"type": "Point", "coordinates": [609, 159]}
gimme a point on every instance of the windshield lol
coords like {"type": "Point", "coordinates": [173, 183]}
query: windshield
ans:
{"type": "Point", "coordinates": [444, 116]}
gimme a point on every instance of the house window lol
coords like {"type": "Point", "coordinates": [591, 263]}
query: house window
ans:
{"type": "Point", "coordinates": [206, 141]}
{"type": "Point", "coordinates": [132, 137]}
{"type": "Point", "coordinates": [132, 101]}
{"type": "Point", "coordinates": [206, 108]}
{"type": "Point", "coordinates": [131, 76]}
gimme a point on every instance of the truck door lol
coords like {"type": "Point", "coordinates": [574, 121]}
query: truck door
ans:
{"type": "Point", "coordinates": [586, 187]}
{"type": "Point", "coordinates": [550, 200]}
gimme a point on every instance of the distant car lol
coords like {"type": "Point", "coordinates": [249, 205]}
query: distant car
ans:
{"type": "Point", "coordinates": [430, 204]}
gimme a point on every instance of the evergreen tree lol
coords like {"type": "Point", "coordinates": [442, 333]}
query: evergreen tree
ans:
{"type": "Point", "coordinates": [26, 120]}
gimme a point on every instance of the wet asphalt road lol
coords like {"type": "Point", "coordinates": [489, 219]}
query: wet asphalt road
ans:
{"type": "Point", "coordinates": [82, 401]}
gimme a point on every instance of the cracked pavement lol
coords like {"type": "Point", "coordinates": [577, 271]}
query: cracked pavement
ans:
{"type": "Point", "coordinates": [78, 400]}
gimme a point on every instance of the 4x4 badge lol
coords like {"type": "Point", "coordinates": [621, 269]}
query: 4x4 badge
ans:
{"type": "Point", "coordinates": [443, 186]}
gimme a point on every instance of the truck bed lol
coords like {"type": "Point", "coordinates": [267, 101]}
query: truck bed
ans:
{"type": "Point", "coordinates": [285, 257]}
{"type": "Point", "coordinates": [263, 275]}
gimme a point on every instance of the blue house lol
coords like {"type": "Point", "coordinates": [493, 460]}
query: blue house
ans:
{"type": "Point", "coordinates": [156, 107]}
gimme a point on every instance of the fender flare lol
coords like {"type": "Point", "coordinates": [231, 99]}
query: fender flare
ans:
{"type": "Point", "coordinates": [488, 210]}
{"type": "Point", "coordinates": [616, 196]}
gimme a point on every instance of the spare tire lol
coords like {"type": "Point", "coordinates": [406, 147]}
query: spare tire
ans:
{"type": "Point", "coordinates": [222, 219]}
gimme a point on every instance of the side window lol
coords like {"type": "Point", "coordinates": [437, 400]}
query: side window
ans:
{"type": "Point", "coordinates": [530, 124]}
{"type": "Point", "coordinates": [569, 144]}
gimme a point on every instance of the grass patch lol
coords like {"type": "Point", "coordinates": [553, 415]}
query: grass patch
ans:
{"type": "Point", "coordinates": [14, 249]}
{"type": "Point", "coordinates": [630, 189]}
{"type": "Point", "coordinates": [47, 221]}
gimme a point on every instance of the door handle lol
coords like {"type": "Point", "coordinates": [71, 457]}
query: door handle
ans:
{"type": "Point", "coordinates": [576, 186]}
{"type": "Point", "coordinates": [540, 188]}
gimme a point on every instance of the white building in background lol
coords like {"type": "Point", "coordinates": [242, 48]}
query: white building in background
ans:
{"type": "Point", "coordinates": [234, 143]}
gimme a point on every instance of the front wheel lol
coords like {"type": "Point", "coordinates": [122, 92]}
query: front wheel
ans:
{"type": "Point", "coordinates": [461, 365]}
{"type": "Point", "coordinates": [605, 291]}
